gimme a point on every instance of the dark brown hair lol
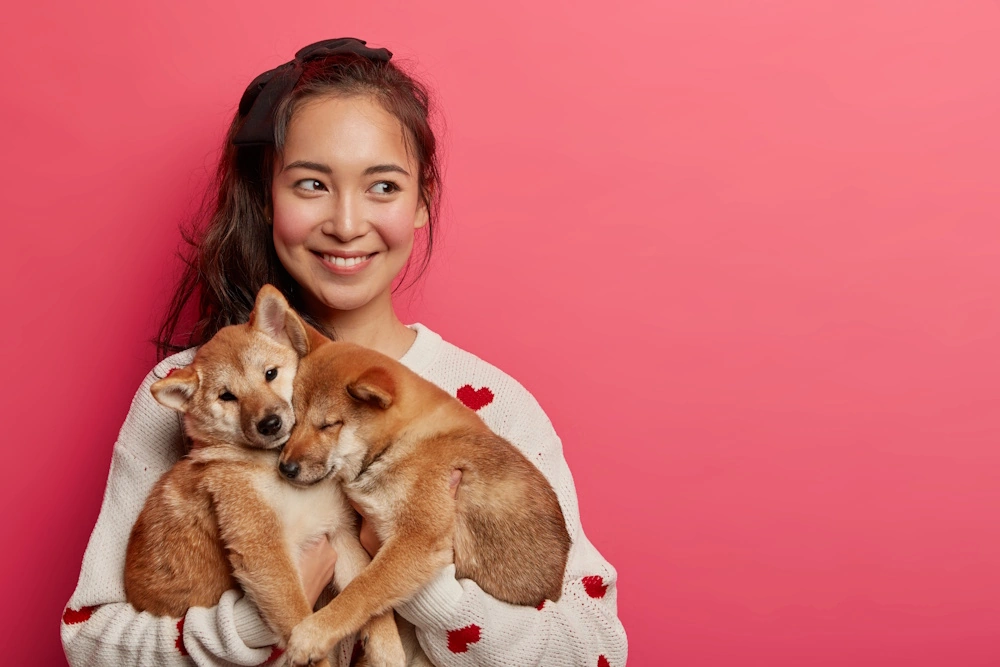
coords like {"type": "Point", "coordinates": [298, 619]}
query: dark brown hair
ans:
{"type": "Point", "coordinates": [230, 254]}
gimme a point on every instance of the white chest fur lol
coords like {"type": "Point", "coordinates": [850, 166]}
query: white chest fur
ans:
{"type": "Point", "coordinates": [305, 513]}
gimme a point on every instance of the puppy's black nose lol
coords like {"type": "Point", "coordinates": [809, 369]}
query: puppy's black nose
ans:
{"type": "Point", "coordinates": [289, 470]}
{"type": "Point", "coordinates": [269, 425]}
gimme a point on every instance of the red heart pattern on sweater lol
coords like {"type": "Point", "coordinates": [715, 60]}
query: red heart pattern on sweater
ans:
{"type": "Point", "coordinates": [540, 605]}
{"type": "Point", "coordinates": [603, 662]}
{"type": "Point", "coordinates": [474, 399]}
{"type": "Point", "coordinates": [74, 616]}
{"type": "Point", "coordinates": [180, 637]}
{"type": "Point", "coordinates": [595, 586]}
{"type": "Point", "coordinates": [459, 640]}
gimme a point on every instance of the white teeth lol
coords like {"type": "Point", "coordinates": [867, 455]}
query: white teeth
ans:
{"type": "Point", "coordinates": [345, 262]}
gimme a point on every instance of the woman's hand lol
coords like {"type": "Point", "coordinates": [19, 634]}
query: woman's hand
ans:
{"type": "Point", "coordinates": [316, 566]}
{"type": "Point", "coordinates": [370, 541]}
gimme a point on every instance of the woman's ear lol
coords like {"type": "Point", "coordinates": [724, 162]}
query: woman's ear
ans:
{"type": "Point", "coordinates": [422, 216]}
{"type": "Point", "coordinates": [423, 206]}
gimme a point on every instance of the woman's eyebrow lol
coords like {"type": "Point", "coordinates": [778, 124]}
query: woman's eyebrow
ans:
{"type": "Point", "coordinates": [305, 164]}
{"type": "Point", "coordinates": [322, 168]}
{"type": "Point", "coordinates": [385, 168]}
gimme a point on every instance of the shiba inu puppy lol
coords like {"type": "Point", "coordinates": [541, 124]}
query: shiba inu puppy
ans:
{"type": "Point", "coordinates": [223, 517]}
{"type": "Point", "coordinates": [392, 439]}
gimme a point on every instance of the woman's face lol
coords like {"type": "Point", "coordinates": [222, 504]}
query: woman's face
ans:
{"type": "Point", "coordinates": [346, 203]}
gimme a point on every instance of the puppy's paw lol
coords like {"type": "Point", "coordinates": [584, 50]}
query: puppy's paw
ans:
{"type": "Point", "coordinates": [309, 644]}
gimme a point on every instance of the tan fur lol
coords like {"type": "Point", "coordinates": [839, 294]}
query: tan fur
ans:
{"type": "Point", "coordinates": [392, 439]}
{"type": "Point", "coordinates": [223, 516]}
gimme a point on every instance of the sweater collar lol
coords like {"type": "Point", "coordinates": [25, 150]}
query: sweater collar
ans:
{"type": "Point", "coordinates": [422, 352]}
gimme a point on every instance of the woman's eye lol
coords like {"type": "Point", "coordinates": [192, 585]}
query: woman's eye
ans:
{"type": "Point", "coordinates": [270, 374]}
{"type": "Point", "coordinates": [384, 188]}
{"type": "Point", "coordinates": [310, 184]}
{"type": "Point", "coordinates": [227, 396]}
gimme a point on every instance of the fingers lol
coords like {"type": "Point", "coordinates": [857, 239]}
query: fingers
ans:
{"type": "Point", "coordinates": [316, 564]}
{"type": "Point", "coordinates": [366, 534]}
{"type": "Point", "coordinates": [368, 538]}
{"type": "Point", "coordinates": [319, 550]}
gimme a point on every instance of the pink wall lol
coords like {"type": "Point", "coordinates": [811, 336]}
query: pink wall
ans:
{"type": "Point", "coordinates": [745, 254]}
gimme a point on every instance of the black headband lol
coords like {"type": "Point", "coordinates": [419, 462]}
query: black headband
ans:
{"type": "Point", "coordinates": [263, 93]}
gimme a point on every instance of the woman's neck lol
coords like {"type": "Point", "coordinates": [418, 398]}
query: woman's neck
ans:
{"type": "Point", "coordinates": [374, 325]}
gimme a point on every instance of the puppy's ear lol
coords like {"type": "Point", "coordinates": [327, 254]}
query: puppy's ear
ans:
{"type": "Point", "coordinates": [273, 317]}
{"type": "Point", "coordinates": [314, 338]}
{"type": "Point", "coordinates": [176, 390]}
{"type": "Point", "coordinates": [375, 387]}
{"type": "Point", "coordinates": [295, 329]}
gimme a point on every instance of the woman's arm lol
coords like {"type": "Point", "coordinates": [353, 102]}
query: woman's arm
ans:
{"type": "Point", "coordinates": [459, 625]}
{"type": "Point", "coordinates": [99, 627]}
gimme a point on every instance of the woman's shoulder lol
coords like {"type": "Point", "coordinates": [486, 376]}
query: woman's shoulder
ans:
{"type": "Point", "coordinates": [460, 372]}
{"type": "Point", "coordinates": [161, 370]}
{"type": "Point", "coordinates": [177, 360]}
{"type": "Point", "coordinates": [502, 402]}
{"type": "Point", "coordinates": [151, 432]}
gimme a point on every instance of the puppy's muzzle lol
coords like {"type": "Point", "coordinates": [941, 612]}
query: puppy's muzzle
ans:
{"type": "Point", "coordinates": [289, 469]}
{"type": "Point", "coordinates": [269, 425]}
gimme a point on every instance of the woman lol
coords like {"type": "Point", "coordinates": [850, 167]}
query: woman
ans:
{"type": "Point", "coordinates": [328, 172]}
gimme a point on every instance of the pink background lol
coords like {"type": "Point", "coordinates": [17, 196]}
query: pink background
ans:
{"type": "Point", "coordinates": [744, 253]}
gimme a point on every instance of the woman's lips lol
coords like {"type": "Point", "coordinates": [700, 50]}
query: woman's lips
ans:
{"type": "Point", "coordinates": [345, 265]}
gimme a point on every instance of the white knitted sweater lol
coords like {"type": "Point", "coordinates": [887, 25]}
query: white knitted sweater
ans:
{"type": "Point", "coordinates": [458, 625]}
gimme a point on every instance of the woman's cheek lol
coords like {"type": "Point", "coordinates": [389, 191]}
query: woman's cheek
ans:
{"type": "Point", "coordinates": [291, 229]}
{"type": "Point", "coordinates": [396, 225]}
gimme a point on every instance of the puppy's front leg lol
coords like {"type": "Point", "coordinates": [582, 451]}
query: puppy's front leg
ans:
{"type": "Point", "coordinates": [352, 558]}
{"type": "Point", "coordinates": [259, 556]}
{"type": "Point", "coordinates": [402, 566]}
{"type": "Point", "coordinates": [380, 636]}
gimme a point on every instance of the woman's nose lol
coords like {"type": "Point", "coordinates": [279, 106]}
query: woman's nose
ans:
{"type": "Point", "coordinates": [344, 220]}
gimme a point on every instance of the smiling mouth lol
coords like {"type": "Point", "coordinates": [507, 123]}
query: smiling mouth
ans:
{"type": "Point", "coordinates": [346, 262]}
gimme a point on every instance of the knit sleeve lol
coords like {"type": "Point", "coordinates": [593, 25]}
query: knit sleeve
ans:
{"type": "Point", "coordinates": [459, 625]}
{"type": "Point", "coordinates": [98, 626]}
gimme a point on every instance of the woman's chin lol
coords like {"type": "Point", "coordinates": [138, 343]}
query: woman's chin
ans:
{"type": "Point", "coordinates": [342, 300]}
